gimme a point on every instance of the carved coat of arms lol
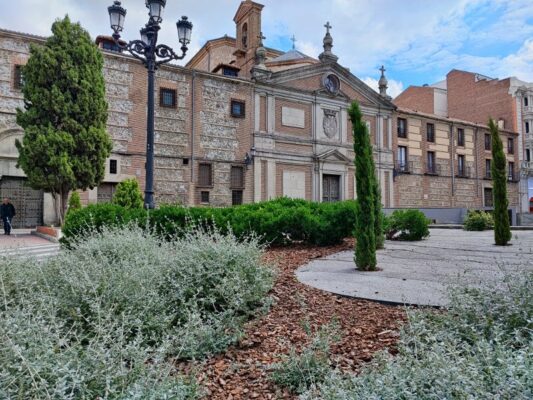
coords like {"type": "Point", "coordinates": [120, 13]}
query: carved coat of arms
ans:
{"type": "Point", "coordinates": [330, 123]}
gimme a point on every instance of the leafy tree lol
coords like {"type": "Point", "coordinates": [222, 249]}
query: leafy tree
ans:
{"type": "Point", "coordinates": [65, 142]}
{"type": "Point", "coordinates": [75, 202]}
{"type": "Point", "coordinates": [365, 225]}
{"type": "Point", "coordinates": [502, 230]}
{"type": "Point", "coordinates": [128, 194]}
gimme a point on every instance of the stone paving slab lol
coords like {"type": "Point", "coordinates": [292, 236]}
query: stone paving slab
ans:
{"type": "Point", "coordinates": [420, 272]}
{"type": "Point", "coordinates": [19, 239]}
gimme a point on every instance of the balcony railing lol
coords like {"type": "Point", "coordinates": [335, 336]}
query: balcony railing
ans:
{"type": "Point", "coordinates": [488, 174]}
{"type": "Point", "coordinates": [463, 172]}
{"type": "Point", "coordinates": [528, 109]}
{"type": "Point", "coordinates": [513, 176]}
{"type": "Point", "coordinates": [527, 165]}
{"type": "Point", "coordinates": [434, 169]}
{"type": "Point", "coordinates": [404, 167]}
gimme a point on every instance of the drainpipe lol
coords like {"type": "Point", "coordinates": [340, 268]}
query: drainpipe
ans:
{"type": "Point", "coordinates": [452, 162]}
{"type": "Point", "coordinates": [476, 161]}
{"type": "Point", "coordinates": [193, 113]}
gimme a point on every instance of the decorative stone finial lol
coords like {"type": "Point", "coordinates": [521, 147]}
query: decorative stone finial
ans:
{"type": "Point", "coordinates": [383, 84]}
{"type": "Point", "coordinates": [327, 55]}
{"type": "Point", "coordinates": [260, 70]}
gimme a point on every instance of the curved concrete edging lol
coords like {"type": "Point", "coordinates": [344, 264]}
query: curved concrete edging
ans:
{"type": "Point", "coordinates": [419, 273]}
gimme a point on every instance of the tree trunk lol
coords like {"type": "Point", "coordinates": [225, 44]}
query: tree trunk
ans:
{"type": "Point", "coordinates": [63, 206]}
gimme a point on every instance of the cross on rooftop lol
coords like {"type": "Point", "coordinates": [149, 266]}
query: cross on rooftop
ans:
{"type": "Point", "coordinates": [293, 39]}
{"type": "Point", "coordinates": [382, 69]}
{"type": "Point", "coordinates": [261, 36]}
{"type": "Point", "coordinates": [328, 26]}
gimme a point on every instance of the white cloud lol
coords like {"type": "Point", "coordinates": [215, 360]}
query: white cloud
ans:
{"type": "Point", "coordinates": [395, 87]}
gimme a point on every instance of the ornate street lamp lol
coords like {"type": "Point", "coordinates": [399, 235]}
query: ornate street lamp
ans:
{"type": "Point", "coordinates": [152, 56]}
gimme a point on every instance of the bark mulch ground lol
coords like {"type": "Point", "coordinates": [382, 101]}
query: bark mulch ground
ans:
{"type": "Point", "coordinates": [242, 372]}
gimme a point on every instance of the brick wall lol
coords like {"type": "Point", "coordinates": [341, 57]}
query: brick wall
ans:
{"type": "Point", "coordinates": [417, 98]}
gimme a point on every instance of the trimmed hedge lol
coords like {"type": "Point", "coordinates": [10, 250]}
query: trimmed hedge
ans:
{"type": "Point", "coordinates": [407, 225]}
{"type": "Point", "coordinates": [278, 222]}
{"type": "Point", "coordinates": [478, 221]}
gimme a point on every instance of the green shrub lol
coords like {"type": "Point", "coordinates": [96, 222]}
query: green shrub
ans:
{"type": "Point", "coordinates": [278, 222]}
{"type": "Point", "coordinates": [409, 225]}
{"type": "Point", "coordinates": [480, 349]}
{"type": "Point", "coordinates": [299, 371]}
{"type": "Point", "coordinates": [478, 221]}
{"type": "Point", "coordinates": [128, 194]}
{"type": "Point", "coordinates": [74, 202]}
{"type": "Point", "coordinates": [102, 319]}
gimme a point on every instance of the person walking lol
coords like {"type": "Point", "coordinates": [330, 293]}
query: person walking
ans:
{"type": "Point", "coordinates": [7, 212]}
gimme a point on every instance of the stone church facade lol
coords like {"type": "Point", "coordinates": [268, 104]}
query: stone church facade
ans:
{"type": "Point", "coordinates": [239, 123]}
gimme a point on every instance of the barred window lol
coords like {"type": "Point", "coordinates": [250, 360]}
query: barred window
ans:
{"type": "Point", "coordinates": [488, 142]}
{"type": "Point", "coordinates": [18, 81]}
{"type": "Point", "coordinates": [167, 98]}
{"type": "Point", "coordinates": [487, 194]}
{"type": "Point", "coordinates": [237, 177]}
{"type": "Point", "coordinates": [460, 137]}
{"type": "Point", "coordinates": [431, 133]}
{"type": "Point", "coordinates": [204, 197]}
{"type": "Point", "coordinates": [113, 167]}
{"type": "Point", "coordinates": [205, 175]}
{"type": "Point", "coordinates": [236, 197]}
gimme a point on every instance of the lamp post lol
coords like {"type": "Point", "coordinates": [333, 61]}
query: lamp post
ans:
{"type": "Point", "coordinates": [152, 56]}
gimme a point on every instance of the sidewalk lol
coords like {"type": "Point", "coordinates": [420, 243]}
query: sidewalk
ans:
{"type": "Point", "coordinates": [418, 273]}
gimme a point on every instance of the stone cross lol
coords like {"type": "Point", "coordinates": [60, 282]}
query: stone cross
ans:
{"type": "Point", "coordinates": [328, 26]}
{"type": "Point", "coordinates": [261, 37]}
{"type": "Point", "coordinates": [293, 39]}
{"type": "Point", "coordinates": [382, 69]}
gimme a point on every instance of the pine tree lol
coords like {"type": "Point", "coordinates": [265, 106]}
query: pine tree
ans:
{"type": "Point", "coordinates": [365, 226]}
{"type": "Point", "coordinates": [65, 142]}
{"type": "Point", "coordinates": [502, 230]}
{"type": "Point", "coordinates": [128, 194]}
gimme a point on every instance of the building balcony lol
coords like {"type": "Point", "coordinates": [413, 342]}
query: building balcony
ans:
{"type": "Point", "coordinates": [434, 170]}
{"type": "Point", "coordinates": [464, 172]}
{"type": "Point", "coordinates": [513, 177]}
{"type": "Point", "coordinates": [528, 109]}
{"type": "Point", "coordinates": [404, 167]}
{"type": "Point", "coordinates": [488, 175]}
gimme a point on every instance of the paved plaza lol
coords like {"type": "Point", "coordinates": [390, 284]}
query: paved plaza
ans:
{"type": "Point", "coordinates": [419, 272]}
{"type": "Point", "coordinates": [22, 244]}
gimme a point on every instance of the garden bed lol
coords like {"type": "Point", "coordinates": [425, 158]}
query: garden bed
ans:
{"type": "Point", "coordinates": [243, 371]}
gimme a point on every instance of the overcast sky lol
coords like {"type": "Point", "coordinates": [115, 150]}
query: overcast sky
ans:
{"type": "Point", "coordinates": [418, 41]}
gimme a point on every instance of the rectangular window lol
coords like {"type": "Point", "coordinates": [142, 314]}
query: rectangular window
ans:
{"type": "Point", "coordinates": [431, 164]}
{"type": "Point", "coordinates": [204, 197]}
{"type": "Point", "coordinates": [511, 171]}
{"type": "Point", "coordinates": [113, 167]}
{"type": "Point", "coordinates": [510, 145]}
{"type": "Point", "coordinates": [528, 155]}
{"type": "Point", "coordinates": [402, 159]}
{"type": "Point", "coordinates": [18, 81]}
{"type": "Point", "coordinates": [238, 109]}
{"type": "Point", "coordinates": [488, 142]}
{"type": "Point", "coordinates": [230, 71]}
{"type": "Point", "coordinates": [167, 98]}
{"type": "Point", "coordinates": [488, 169]}
{"type": "Point", "coordinates": [236, 197]}
{"type": "Point", "coordinates": [460, 137]}
{"type": "Point", "coordinates": [487, 194]}
{"type": "Point", "coordinates": [526, 101]}
{"type": "Point", "coordinates": [402, 127]}
{"type": "Point", "coordinates": [461, 169]}
{"type": "Point", "coordinates": [205, 175]}
{"type": "Point", "coordinates": [527, 127]}
{"type": "Point", "coordinates": [431, 133]}
{"type": "Point", "coordinates": [237, 177]}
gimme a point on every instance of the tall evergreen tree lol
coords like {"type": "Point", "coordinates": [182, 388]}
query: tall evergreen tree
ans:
{"type": "Point", "coordinates": [65, 142]}
{"type": "Point", "coordinates": [378, 214]}
{"type": "Point", "coordinates": [502, 230]}
{"type": "Point", "coordinates": [365, 226]}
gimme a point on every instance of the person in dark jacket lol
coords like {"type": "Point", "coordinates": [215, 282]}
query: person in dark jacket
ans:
{"type": "Point", "coordinates": [7, 212]}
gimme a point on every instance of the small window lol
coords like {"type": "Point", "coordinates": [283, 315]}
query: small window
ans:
{"type": "Point", "coordinates": [527, 127]}
{"type": "Point", "coordinates": [487, 194]}
{"type": "Point", "coordinates": [488, 142]}
{"type": "Point", "coordinates": [526, 101]}
{"type": "Point", "coordinates": [236, 197]}
{"type": "Point", "coordinates": [237, 108]}
{"type": "Point", "coordinates": [403, 165]}
{"type": "Point", "coordinates": [460, 137]}
{"type": "Point", "coordinates": [402, 127]}
{"type": "Point", "coordinates": [168, 98]}
{"type": "Point", "coordinates": [113, 167]}
{"type": "Point", "coordinates": [18, 81]}
{"type": "Point", "coordinates": [185, 161]}
{"type": "Point", "coordinates": [237, 177]}
{"type": "Point", "coordinates": [431, 133]}
{"type": "Point", "coordinates": [431, 164]}
{"type": "Point", "coordinates": [205, 175]}
{"type": "Point", "coordinates": [511, 171]}
{"type": "Point", "coordinates": [510, 145]}
{"type": "Point", "coordinates": [245, 36]}
{"type": "Point", "coordinates": [204, 197]}
{"type": "Point", "coordinates": [528, 155]}
{"type": "Point", "coordinates": [488, 169]}
{"type": "Point", "coordinates": [230, 71]}
{"type": "Point", "coordinates": [461, 169]}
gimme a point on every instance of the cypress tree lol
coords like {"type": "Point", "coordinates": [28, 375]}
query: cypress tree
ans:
{"type": "Point", "coordinates": [365, 226]}
{"type": "Point", "coordinates": [502, 230]}
{"type": "Point", "coordinates": [378, 215]}
{"type": "Point", "coordinates": [65, 142]}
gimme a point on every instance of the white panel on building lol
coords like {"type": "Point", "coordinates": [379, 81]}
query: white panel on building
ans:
{"type": "Point", "coordinates": [294, 184]}
{"type": "Point", "coordinates": [292, 117]}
